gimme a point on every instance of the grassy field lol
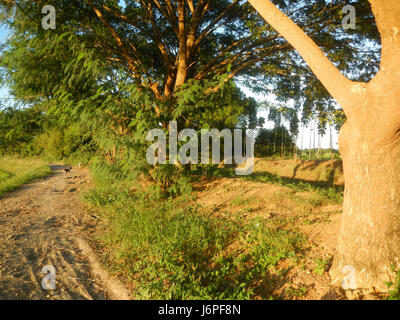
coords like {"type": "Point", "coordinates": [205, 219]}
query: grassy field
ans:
{"type": "Point", "coordinates": [15, 172]}
{"type": "Point", "coordinates": [231, 238]}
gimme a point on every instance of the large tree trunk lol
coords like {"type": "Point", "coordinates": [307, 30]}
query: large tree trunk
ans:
{"type": "Point", "coordinates": [369, 238]}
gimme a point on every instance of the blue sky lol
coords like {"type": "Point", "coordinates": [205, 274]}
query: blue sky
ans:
{"type": "Point", "coordinates": [3, 35]}
{"type": "Point", "coordinates": [324, 141]}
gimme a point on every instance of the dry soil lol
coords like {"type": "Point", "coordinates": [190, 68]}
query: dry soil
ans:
{"type": "Point", "coordinates": [42, 225]}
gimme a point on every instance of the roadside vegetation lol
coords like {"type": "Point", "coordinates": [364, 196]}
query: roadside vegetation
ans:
{"type": "Point", "coordinates": [15, 172]}
{"type": "Point", "coordinates": [182, 248]}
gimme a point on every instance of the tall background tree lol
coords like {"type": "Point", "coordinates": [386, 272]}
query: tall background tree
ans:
{"type": "Point", "coordinates": [164, 47]}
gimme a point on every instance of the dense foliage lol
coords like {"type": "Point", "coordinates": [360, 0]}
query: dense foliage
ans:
{"type": "Point", "coordinates": [274, 142]}
{"type": "Point", "coordinates": [111, 71]}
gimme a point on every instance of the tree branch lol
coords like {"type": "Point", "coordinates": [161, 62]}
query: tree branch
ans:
{"type": "Point", "coordinates": [339, 86]}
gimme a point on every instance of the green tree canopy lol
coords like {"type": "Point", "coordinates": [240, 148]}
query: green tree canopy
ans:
{"type": "Point", "coordinates": [120, 70]}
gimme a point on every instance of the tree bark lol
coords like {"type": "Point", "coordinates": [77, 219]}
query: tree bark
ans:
{"type": "Point", "coordinates": [369, 141]}
{"type": "Point", "coordinates": [369, 238]}
{"type": "Point", "coordinates": [182, 58]}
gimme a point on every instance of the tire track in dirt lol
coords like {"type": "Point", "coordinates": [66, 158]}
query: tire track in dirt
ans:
{"type": "Point", "coordinates": [41, 224]}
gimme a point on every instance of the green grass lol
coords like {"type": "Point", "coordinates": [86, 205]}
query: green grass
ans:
{"type": "Point", "coordinates": [394, 288]}
{"type": "Point", "coordinates": [321, 266]}
{"type": "Point", "coordinates": [175, 250]}
{"type": "Point", "coordinates": [293, 292]}
{"type": "Point", "coordinates": [15, 172]}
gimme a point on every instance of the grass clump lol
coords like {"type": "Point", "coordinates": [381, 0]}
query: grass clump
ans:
{"type": "Point", "coordinates": [321, 266]}
{"type": "Point", "coordinates": [394, 287]}
{"type": "Point", "coordinates": [15, 172]}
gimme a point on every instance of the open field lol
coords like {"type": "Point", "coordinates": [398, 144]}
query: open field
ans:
{"type": "Point", "coordinates": [326, 173]}
{"type": "Point", "coordinates": [15, 172]}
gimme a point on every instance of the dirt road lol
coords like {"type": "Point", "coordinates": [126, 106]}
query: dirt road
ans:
{"type": "Point", "coordinates": [41, 225]}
